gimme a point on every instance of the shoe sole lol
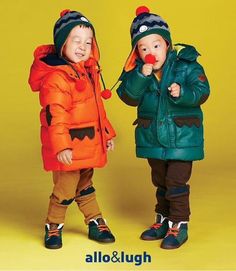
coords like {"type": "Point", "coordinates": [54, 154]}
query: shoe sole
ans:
{"type": "Point", "coordinates": [173, 247]}
{"type": "Point", "coordinates": [150, 238]}
{"type": "Point", "coordinates": [105, 241]}
{"type": "Point", "coordinates": [53, 247]}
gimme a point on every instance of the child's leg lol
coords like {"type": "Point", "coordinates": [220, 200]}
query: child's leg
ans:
{"type": "Point", "coordinates": [177, 176]}
{"type": "Point", "coordinates": [86, 197]}
{"type": "Point", "coordinates": [158, 172]}
{"type": "Point", "coordinates": [87, 203]}
{"type": "Point", "coordinates": [159, 228]}
{"type": "Point", "coordinates": [65, 184]}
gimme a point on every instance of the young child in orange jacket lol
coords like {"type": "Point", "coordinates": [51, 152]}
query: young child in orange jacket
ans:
{"type": "Point", "coordinates": [75, 132]}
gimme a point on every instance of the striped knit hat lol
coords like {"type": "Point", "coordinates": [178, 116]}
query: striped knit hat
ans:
{"type": "Point", "coordinates": [147, 23]}
{"type": "Point", "coordinates": [68, 20]}
{"type": "Point", "coordinates": [144, 24]}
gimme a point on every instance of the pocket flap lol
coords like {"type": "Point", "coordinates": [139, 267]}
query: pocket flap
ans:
{"type": "Point", "coordinates": [80, 133]}
{"type": "Point", "coordinates": [188, 121]}
{"type": "Point", "coordinates": [145, 123]}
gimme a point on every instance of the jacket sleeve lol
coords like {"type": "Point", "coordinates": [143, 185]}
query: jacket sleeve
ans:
{"type": "Point", "coordinates": [110, 132]}
{"type": "Point", "coordinates": [195, 88]}
{"type": "Point", "coordinates": [132, 87]}
{"type": "Point", "coordinates": [56, 99]}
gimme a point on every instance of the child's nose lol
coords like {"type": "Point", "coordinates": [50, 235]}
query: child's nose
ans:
{"type": "Point", "coordinates": [82, 46]}
{"type": "Point", "coordinates": [152, 51]}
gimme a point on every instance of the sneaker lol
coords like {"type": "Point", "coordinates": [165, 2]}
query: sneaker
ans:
{"type": "Point", "coordinates": [99, 231]}
{"type": "Point", "coordinates": [158, 230]}
{"type": "Point", "coordinates": [176, 236]}
{"type": "Point", "coordinates": [53, 235]}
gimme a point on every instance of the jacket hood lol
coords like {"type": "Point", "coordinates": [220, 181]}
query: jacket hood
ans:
{"type": "Point", "coordinates": [186, 52]}
{"type": "Point", "coordinates": [40, 69]}
{"type": "Point", "coordinates": [183, 51]}
{"type": "Point", "coordinates": [46, 61]}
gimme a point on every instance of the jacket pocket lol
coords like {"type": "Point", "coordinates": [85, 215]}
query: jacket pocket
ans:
{"type": "Point", "coordinates": [85, 142]}
{"type": "Point", "coordinates": [144, 132]}
{"type": "Point", "coordinates": [188, 131]}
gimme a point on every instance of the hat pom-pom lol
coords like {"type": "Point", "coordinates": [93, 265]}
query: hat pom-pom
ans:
{"type": "Point", "coordinates": [80, 84]}
{"type": "Point", "coordinates": [106, 94]}
{"type": "Point", "coordinates": [142, 9]}
{"type": "Point", "coordinates": [64, 12]}
{"type": "Point", "coordinates": [150, 59]}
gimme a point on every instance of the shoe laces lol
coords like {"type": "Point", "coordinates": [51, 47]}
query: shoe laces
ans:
{"type": "Point", "coordinates": [55, 232]}
{"type": "Point", "coordinates": [156, 226]}
{"type": "Point", "coordinates": [103, 227]}
{"type": "Point", "coordinates": [173, 231]}
{"type": "Point", "coordinates": [101, 224]}
{"type": "Point", "coordinates": [54, 229]}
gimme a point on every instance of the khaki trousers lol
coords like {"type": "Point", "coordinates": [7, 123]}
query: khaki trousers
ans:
{"type": "Point", "coordinates": [72, 186]}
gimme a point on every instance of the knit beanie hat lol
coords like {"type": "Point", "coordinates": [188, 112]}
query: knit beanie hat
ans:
{"type": "Point", "coordinates": [68, 20]}
{"type": "Point", "coordinates": [146, 23]}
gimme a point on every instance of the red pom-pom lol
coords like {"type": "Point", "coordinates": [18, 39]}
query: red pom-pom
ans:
{"type": "Point", "coordinates": [142, 9]}
{"type": "Point", "coordinates": [150, 59]}
{"type": "Point", "coordinates": [63, 12]}
{"type": "Point", "coordinates": [80, 84]}
{"type": "Point", "coordinates": [106, 94]}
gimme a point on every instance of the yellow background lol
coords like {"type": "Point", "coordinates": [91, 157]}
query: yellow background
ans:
{"type": "Point", "coordinates": [124, 188]}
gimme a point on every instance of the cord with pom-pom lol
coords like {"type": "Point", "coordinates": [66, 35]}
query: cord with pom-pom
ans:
{"type": "Point", "coordinates": [106, 94]}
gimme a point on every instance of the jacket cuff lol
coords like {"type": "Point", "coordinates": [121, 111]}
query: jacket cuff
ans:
{"type": "Point", "coordinates": [109, 130]}
{"type": "Point", "coordinates": [136, 84]}
{"type": "Point", "coordinates": [187, 97]}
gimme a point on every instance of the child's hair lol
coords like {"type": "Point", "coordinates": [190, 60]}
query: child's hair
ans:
{"type": "Point", "coordinates": [63, 26]}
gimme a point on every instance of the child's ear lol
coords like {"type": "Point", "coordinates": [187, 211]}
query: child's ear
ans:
{"type": "Point", "coordinates": [169, 46]}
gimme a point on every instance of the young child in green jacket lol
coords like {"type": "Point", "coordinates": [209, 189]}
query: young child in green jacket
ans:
{"type": "Point", "coordinates": [168, 86]}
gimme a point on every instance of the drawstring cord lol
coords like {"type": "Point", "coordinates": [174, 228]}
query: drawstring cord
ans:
{"type": "Point", "coordinates": [115, 84]}
{"type": "Point", "coordinates": [106, 93]}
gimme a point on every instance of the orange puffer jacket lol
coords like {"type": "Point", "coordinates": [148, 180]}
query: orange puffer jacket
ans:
{"type": "Point", "coordinates": [72, 115]}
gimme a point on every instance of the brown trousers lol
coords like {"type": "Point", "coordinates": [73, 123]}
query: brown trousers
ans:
{"type": "Point", "coordinates": [72, 186]}
{"type": "Point", "coordinates": [170, 178]}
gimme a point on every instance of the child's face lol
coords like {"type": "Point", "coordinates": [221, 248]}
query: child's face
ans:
{"type": "Point", "coordinates": [78, 44]}
{"type": "Point", "coordinates": [153, 44]}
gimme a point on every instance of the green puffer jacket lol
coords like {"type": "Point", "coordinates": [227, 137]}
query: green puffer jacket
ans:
{"type": "Point", "coordinates": [168, 128]}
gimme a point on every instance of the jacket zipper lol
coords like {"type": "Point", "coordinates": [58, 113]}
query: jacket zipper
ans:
{"type": "Point", "coordinates": [99, 120]}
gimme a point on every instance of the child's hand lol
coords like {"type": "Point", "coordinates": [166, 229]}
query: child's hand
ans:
{"type": "Point", "coordinates": [174, 90]}
{"type": "Point", "coordinates": [147, 69]}
{"type": "Point", "coordinates": [110, 145]}
{"type": "Point", "coordinates": [65, 157]}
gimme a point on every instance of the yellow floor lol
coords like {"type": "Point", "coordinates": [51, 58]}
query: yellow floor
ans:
{"type": "Point", "coordinates": [127, 199]}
